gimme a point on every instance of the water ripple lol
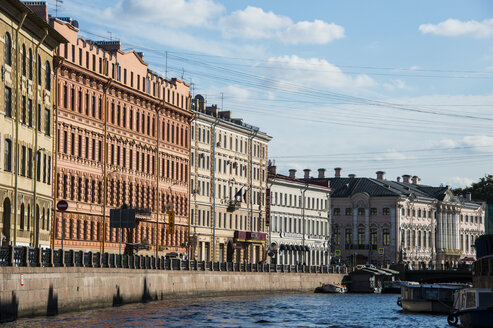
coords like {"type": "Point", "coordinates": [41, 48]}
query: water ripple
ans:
{"type": "Point", "coordinates": [281, 310]}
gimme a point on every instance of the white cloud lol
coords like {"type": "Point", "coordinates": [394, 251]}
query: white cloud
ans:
{"type": "Point", "coordinates": [313, 72]}
{"type": "Point", "coordinates": [458, 182]}
{"type": "Point", "coordinates": [454, 27]}
{"type": "Point", "coordinates": [395, 84]}
{"type": "Point", "coordinates": [167, 12]}
{"type": "Point", "coordinates": [316, 32]}
{"type": "Point", "coordinates": [392, 155]}
{"type": "Point", "coordinates": [255, 23]}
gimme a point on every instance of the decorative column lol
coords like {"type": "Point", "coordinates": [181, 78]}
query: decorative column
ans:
{"type": "Point", "coordinates": [355, 226]}
{"type": "Point", "coordinates": [440, 230]}
{"type": "Point", "coordinates": [393, 242]}
{"type": "Point", "coordinates": [367, 226]}
{"type": "Point", "coordinates": [457, 231]}
{"type": "Point", "coordinates": [445, 232]}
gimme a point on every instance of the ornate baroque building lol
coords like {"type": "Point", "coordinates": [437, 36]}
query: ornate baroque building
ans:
{"type": "Point", "coordinates": [122, 137]}
{"type": "Point", "coordinates": [300, 218]}
{"type": "Point", "coordinates": [381, 221]}
{"type": "Point", "coordinates": [26, 55]}
{"type": "Point", "coordinates": [228, 187]}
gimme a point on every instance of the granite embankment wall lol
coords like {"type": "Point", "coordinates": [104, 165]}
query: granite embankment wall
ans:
{"type": "Point", "coordinates": [47, 291]}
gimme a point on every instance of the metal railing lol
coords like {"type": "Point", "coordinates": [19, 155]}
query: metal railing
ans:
{"type": "Point", "coordinates": [36, 257]}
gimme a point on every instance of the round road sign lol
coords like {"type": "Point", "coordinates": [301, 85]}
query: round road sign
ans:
{"type": "Point", "coordinates": [62, 205]}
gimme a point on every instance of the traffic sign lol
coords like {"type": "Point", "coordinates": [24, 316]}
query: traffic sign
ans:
{"type": "Point", "coordinates": [62, 205]}
{"type": "Point", "coordinates": [381, 251]}
{"type": "Point", "coordinates": [337, 252]}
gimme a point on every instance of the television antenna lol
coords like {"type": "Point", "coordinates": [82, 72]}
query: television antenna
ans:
{"type": "Point", "coordinates": [58, 4]}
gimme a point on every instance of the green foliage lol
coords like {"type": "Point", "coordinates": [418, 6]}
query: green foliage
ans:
{"type": "Point", "coordinates": [480, 191]}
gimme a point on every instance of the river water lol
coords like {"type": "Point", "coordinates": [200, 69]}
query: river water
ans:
{"type": "Point", "coordinates": [277, 310]}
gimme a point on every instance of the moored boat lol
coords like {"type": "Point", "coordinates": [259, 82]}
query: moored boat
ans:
{"type": "Point", "coordinates": [474, 307]}
{"type": "Point", "coordinates": [331, 289]}
{"type": "Point", "coordinates": [431, 298]}
{"type": "Point", "coordinates": [392, 287]}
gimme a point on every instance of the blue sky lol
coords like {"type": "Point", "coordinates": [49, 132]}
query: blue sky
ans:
{"type": "Point", "coordinates": [399, 86]}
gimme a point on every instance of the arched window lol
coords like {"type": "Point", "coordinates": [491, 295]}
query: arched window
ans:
{"type": "Point", "coordinates": [30, 64]}
{"type": "Point", "coordinates": [361, 235]}
{"type": "Point", "coordinates": [386, 237]}
{"type": "Point", "coordinates": [43, 220]}
{"type": "Point", "coordinates": [39, 74]}
{"type": "Point", "coordinates": [373, 238]}
{"type": "Point", "coordinates": [47, 76]}
{"type": "Point", "coordinates": [21, 222]}
{"type": "Point", "coordinates": [28, 216]}
{"type": "Point", "coordinates": [8, 49]}
{"type": "Point", "coordinates": [24, 60]}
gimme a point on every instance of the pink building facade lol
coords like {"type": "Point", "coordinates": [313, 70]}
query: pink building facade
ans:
{"type": "Point", "coordinates": [122, 137]}
{"type": "Point", "coordinates": [378, 221]}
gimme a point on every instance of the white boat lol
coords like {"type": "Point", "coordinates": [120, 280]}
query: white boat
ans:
{"type": "Point", "coordinates": [474, 307]}
{"type": "Point", "coordinates": [331, 289]}
{"type": "Point", "coordinates": [434, 298]}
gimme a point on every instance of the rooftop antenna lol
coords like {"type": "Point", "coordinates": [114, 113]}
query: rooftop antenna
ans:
{"type": "Point", "coordinates": [182, 73]}
{"type": "Point", "coordinates": [58, 3]}
{"type": "Point", "coordinates": [192, 85]}
{"type": "Point", "coordinates": [166, 70]}
{"type": "Point", "coordinates": [111, 36]}
{"type": "Point", "coordinates": [222, 100]}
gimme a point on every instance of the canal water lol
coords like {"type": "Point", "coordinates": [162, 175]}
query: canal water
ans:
{"type": "Point", "coordinates": [279, 310]}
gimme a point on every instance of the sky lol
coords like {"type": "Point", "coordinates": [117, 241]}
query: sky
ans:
{"type": "Point", "coordinates": [405, 87]}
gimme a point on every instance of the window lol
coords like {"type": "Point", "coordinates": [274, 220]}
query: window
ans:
{"type": "Point", "coordinates": [361, 235]}
{"type": "Point", "coordinates": [39, 73]}
{"type": "Point", "coordinates": [337, 235]}
{"type": "Point", "coordinates": [348, 238]}
{"type": "Point", "coordinates": [29, 163]}
{"type": "Point", "coordinates": [386, 237]}
{"type": "Point", "coordinates": [337, 211]}
{"type": "Point", "coordinates": [386, 211]}
{"type": "Point", "coordinates": [373, 211]}
{"type": "Point", "coordinates": [8, 155]}
{"type": "Point", "coordinates": [47, 76]}
{"type": "Point", "coordinates": [361, 211]}
{"type": "Point", "coordinates": [8, 49]}
{"type": "Point", "coordinates": [8, 102]}
{"type": "Point", "coordinates": [47, 121]}
{"type": "Point", "coordinates": [24, 70]}
{"type": "Point", "coordinates": [348, 211]}
{"type": "Point", "coordinates": [23, 161]}
{"type": "Point", "coordinates": [373, 237]}
{"type": "Point", "coordinates": [30, 64]}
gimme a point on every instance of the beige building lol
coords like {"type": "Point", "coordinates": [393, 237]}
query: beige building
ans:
{"type": "Point", "coordinates": [26, 126]}
{"type": "Point", "coordinates": [228, 187]}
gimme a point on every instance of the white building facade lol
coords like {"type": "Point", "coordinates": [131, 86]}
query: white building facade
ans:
{"type": "Point", "coordinates": [299, 217]}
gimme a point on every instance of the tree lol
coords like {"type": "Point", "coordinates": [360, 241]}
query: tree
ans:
{"type": "Point", "coordinates": [480, 191]}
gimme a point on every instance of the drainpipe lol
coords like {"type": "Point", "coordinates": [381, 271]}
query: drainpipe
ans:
{"type": "Point", "coordinates": [157, 176]}
{"type": "Point", "coordinates": [303, 218]}
{"type": "Point", "coordinates": [36, 123]}
{"type": "Point", "coordinates": [252, 137]}
{"type": "Point", "coordinates": [105, 152]}
{"type": "Point", "coordinates": [57, 64]}
{"type": "Point", "coordinates": [16, 144]}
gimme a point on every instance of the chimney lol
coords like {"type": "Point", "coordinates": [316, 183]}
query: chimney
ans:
{"type": "Point", "coordinates": [337, 172]}
{"type": "Point", "coordinates": [273, 169]}
{"type": "Point", "coordinates": [380, 175]}
{"type": "Point", "coordinates": [39, 8]}
{"type": "Point", "coordinates": [292, 173]}
{"type": "Point", "coordinates": [321, 173]}
{"type": "Point", "coordinates": [111, 46]}
{"type": "Point", "coordinates": [307, 173]}
{"type": "Point", "coordinates": [468, 196]}
{"type": "Point", "coordinates": [398, 179]}
{"type": "Point", "coordinates": [405, 178]}
{"type": "Point", "coordinates": [416, 180]}
{"type": "Point", "coordinates": [352, 176]}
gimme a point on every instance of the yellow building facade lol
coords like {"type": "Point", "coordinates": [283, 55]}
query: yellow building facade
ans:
{"type": "Point", "coordinates": [27, 43]}
{"type": "Point", "coordinates": [228, 187]}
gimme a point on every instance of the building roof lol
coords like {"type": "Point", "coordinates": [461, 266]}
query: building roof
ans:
{"type": "Point", "coordinates": [38, 21]}
{"type": "Point", "coordinates": [345, 187]}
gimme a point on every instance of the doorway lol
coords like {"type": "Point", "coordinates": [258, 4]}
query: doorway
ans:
{"type": "Point", "coordinates": [6, 222]}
